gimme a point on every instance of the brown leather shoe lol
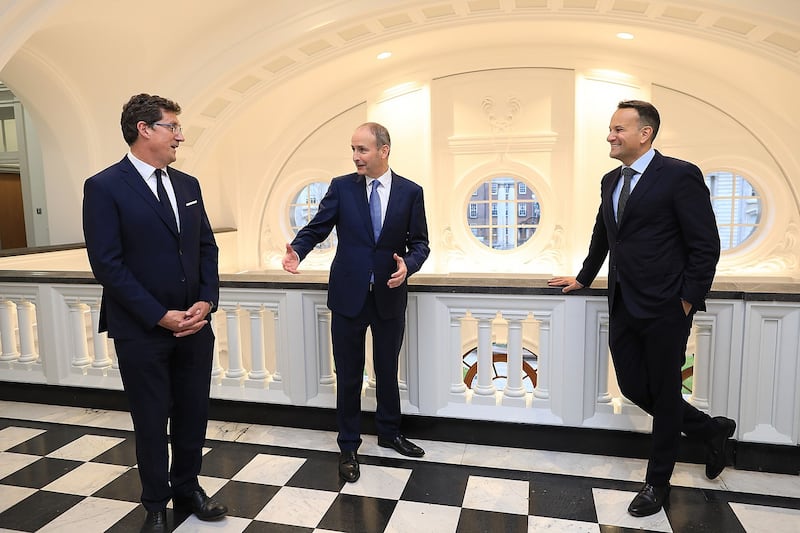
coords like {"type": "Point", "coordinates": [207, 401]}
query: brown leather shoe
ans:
{"type": "Point", "coordinates": [650, 500]}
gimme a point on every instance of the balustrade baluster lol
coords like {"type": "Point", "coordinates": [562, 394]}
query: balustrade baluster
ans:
{"type": "Point", "coordinates": [514, 392]}
{"type": "Point", "coordinates": [100, 340]}
{"type": "Point", "coordinates": [701, 385]}
{"type": "Point", "coordinates": [235, 366]}
{"type": "Point", "coordinates": [484, 391]}
{"type": "Point", "coordinates": [80, 345]}
{"type": "Point", "coordinates": [457, 386]}
{"type": "Point", "coordinates": [7, 337]}
{"type": "Point", "coordinates": [324, 349]}
{"type": "Point", "coordinates": [603, 366]}
{"type": "Point", "coordinates": [258, 370]}
{"type": "Point", "coordinates": [26, 318]}
{"type": "Point", "coordinates": [542, 389]}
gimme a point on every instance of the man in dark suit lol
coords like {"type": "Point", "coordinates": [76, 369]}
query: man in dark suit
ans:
{"type": "Point", "coordinates": [382, 240]}
{"type": "Point", "coordinates": [657, 225]}
{"type": "Point", "coordinates": [152, 249]}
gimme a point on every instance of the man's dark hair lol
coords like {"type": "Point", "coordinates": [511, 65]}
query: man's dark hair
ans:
{"type": "Point", "coordinates": [144, 108]}
{"type": "Point", "coordinates": [648, 114]}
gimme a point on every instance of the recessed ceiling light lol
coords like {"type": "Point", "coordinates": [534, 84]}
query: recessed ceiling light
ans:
{"type": "Point", "coordinates": [625, 35]}
{"type": "Point", "coordinates": [384, 55]}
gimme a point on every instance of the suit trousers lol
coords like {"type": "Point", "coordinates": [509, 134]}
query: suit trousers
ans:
{"type": "Point", "coordinates": [348, 336]}
{"type": "Point", "coordinates": [648, 354]}
{"type": "Point", "coordinates": [167, 381]}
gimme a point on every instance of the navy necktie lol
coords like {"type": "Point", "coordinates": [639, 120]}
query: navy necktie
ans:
{"type": "Point", "coordinates": [375, 209]}
{"type": "Point", "coordinates": [162, 194]}
{"type": "Point", "coordinates": [624, 194]}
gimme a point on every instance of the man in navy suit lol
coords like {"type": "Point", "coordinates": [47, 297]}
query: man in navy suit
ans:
{"type": "Point", "coordinates": [375, 255]}
{"type": "Point", "coordinates": [657, 225]}
{"type": "Point", "coordinates": [151, 247]}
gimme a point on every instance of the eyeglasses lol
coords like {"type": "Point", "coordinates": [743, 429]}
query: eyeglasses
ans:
{"type": "Point", "coordinates": [174, 128]}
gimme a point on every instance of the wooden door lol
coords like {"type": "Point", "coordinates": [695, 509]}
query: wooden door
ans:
{"type": "Point", "coordinates": [12, 217]}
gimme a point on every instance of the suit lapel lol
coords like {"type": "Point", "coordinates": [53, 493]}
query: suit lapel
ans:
{"type": "Point", "coordinates": [132, 178]}
{"type": "Point", "coordinates": [359, 191]}
{"type": "Point", "coordinates": [646, 182]}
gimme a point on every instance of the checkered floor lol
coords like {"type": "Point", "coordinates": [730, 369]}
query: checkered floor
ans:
{"type": "Point", "coordinates": [69, 477]}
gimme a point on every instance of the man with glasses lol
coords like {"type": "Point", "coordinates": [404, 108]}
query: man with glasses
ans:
{"type": "Point", "coordinates": [151, 247]}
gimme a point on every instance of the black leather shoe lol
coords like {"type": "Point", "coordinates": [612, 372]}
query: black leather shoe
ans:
{"type": "Point", "coordinates": [348, 467]}
{"type": "Point", "coordinates": [401, 445]}
{"type": "Point", "coordinates": [715, 446]}
{"type": "Point", "coordinates": [650, 500]}
{"type": "Point", "coordinates": [201, 505]}
{"type": "Point", "coordinates": [156, 522]}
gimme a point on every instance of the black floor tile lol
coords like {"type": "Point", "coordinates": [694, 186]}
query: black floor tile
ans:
{"type": "Point", "coordinates": [123, 454]}
{"type": "Point", "coordinates": [358, 514]}
{"type": "Point", "coordinates": [475, 521]}
{"type": "Point", "coordinates": [127, 487]}
{"type": "Point", "coordinates": [49, 441]}
{"type": "Point", "coordinates": [320, 472]}
{"type": "Point", "coordinates": [40, 473]}
{"type": "Point", "coordinates": [269, 527]}
{"type": "Point", "coordinates": [226, 459]}
{"type": "Point", "coordinates": [35, 511]}
{"type": "Point", "coordinates": [565, 497]}
{"type": "Point", "coordinates": [245, 499]}
{"type": "Point", "coordinates": [436, 483]}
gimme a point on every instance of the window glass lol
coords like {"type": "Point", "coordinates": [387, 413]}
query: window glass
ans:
{"type": "Point", "coordinates": [503, 213]}
{"type": "Point", "coordinates": [304, 206]}
{"type": "Point", "coordinates": [737, 206]}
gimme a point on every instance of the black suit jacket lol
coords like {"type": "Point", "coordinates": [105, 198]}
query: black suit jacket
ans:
{"type": "Point", "coordinates": [667, 247]}
{"type": "Point", "coordinates": [144, 265]}
{"type": "Point", "coordinates": [404, 232]}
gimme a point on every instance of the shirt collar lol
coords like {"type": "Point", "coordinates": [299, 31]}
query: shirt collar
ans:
{"type": "Point", "coordinates": [144, 169]}
{"type": "Point", "coordinates": [641, 164]}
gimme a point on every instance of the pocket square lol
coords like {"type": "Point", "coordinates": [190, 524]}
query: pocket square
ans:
{"type": "Point", "coordinates": [191, 203]}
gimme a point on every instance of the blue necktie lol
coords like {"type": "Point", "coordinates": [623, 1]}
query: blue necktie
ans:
{"type": "Point", "coordinates": [375, 209]}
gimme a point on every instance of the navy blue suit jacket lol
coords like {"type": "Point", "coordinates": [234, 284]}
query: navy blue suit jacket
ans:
{"type": "Point", "coordinates": [144, 265]}
{"type": "Point", "coordinates": [404, 232]}
{"type": "Point", "coordinates": [667, 247]}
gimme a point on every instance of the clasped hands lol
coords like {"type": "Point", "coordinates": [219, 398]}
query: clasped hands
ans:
{"type": "Point", "coordinates": [291, 261]}
{"type": "Point", "coordinates": [185, 323]}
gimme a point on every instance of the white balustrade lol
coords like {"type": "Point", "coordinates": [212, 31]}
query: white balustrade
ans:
{"type": "Point", "coordinates": [290, 361]}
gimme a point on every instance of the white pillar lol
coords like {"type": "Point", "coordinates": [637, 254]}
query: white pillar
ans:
{"type": "Point", "coordinates": [458, 388]}
{"type": "Point", "coordinates": [258, 372]}
{"type": "Point", "coordinates": [484, 391]}
{"type": "Point", "coordinates": [235, 367]}
{"type": "Point", "coordinates": [324, 351]}
{"type": "Point", "coordinates": [80, 346]}
{"type": "Point", "coordinates": [216, 367]}
{"type": "Point", "coordinates": [26, 317]}
{"type": "Point", "coordinates": [7, 337]}
{"type": "Point", "coordinates": [702, 362]}
{"type": "Point", "coordinates": [542, 389]}
{"type": "Point", "coordinates": [603, 366]}
{"type": "Point", "coordinates": [514, 392]}
{"type": "Point", "coordinates": [100, 340]}
{"type": "Point", "coordinates": [277, 375]}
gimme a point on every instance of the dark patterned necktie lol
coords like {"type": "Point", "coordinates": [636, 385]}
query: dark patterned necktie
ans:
{"type": "Point", "coordinates": [162, 194]}
{"type": "Point", "coordinates": [625, 193]}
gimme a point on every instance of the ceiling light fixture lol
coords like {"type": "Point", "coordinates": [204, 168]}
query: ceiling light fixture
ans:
{"type": "Point", "coordinates": [625, 35]}
{"type": "Point", "coordinates": [384, 55]}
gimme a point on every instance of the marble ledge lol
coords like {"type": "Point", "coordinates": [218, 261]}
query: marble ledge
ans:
{"type": "Point", "coordinates": [726, 288]}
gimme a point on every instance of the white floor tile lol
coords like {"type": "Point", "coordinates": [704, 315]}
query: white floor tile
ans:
{"type": "Point", "coordinates": [379, 482]}
{"type": "Point", "coordinates": [758, 519]}
{"type": "Point", "coordinates": [538, 524]}
{"type": "Point", "coordinates": [12, 436]}
{"type": "Point", "coordinates": [90, 514]}
{"type": "Point", "coordinates": [612, 510]}
{"type": "Point", "coordinates": [499, 495]}
{"type": "Point", "coordinates": [297, 507]}
{"type": "Point", "coordinates": [85, 448]}
{"type": "Point", "coordinates": [11, 462]}
{"type": "Point", "coordinates": [229, 524]}
{"type": "Point", "coordinates": [423, 518]}
{"type": "Point", "coordinates": [269, 469]}
{"type": "Point", "coordinates": [86, 479]}
{"type": "Point", "coordinates": [10, 495]}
